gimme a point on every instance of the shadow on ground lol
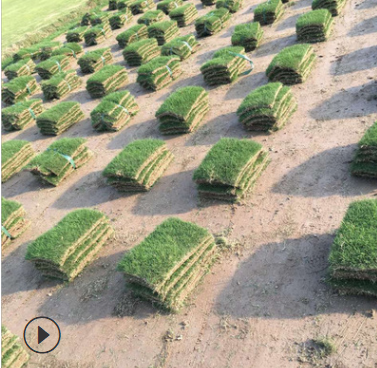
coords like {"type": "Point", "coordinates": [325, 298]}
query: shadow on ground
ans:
{"type": "Point", "coordinates": [366, 26]}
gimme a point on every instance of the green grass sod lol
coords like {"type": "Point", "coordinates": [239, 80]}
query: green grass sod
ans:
{"type": "Point", "coordinates": [54, 65]}
{"type": "Point", "coordinates": [97, 34]}
{"type": "Point", "coordinates": [370, 137]}
{"type": "Point", "coordinates": [133, 34]}
{"type": "Point", "coordinates": [141, 6]}
{"type": "Point", "coordinates": [167, 5]}
{"type": "Point", "coordinates": [140, 52]}
{"type": "Point", "coordinates": [248, 35]}
{"type": "Point", "coordinates": [20, 68]}
{"type": "Point", "coordinates": [76, 34]}
{"type": "Point", "coordinates": [268, 12]}
{"type": "Point", "coordinates": [8, 207]}
{"type": "Point", "coordinates": [71, 49]}
{"type": "Point", "coordinates": [18, 89]}
{"type": "Point", "coordinates": [354, 287]}
{"type": "Point", "coordinates": [213, 22]}
{"type": "Point", "coordinates": [48, 49]}
{"type": "Point", "coordinates": [151, 16]}
{"type": "Point", "coordinates": [232, 5]}
{"type": "Point", "coordinates": [163, 31]}
{"type": "Point", "coordinates": [94, 60]}
{"type": "Point", "coordinates": [314, 26]}
{"type": "Point", "coordinates": [184, 15]}
{"type": "Point", "coordinates": [183, 47]}
{"type": "Point", "coordinates": [60, 85]}
{"type": "Point", "coordinates": [334, 6]}
{"type": "Point", "coordinates": [120, 18]}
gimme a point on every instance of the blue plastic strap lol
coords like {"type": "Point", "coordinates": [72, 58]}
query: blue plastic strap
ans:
{"type": "Point", "coordinates": [69, 86]}
{"type": "Point", "coordinates": [73, 52]}
{"type": "Point", "coordinates": [245, 58]}
{"type": "Point", "coordinates": [28, 89]}
{"type": "Point", "coordinates": [169, 70]}
{"type": "Point", "coordinates": [188, 45]}
{"type": "Point", "coordinates": [125, 110]}
{"type": "Point", "coordinates": [58, 64]}
{"type": "Point", "coordinates": [5, 231]}
{"type": "Point", "coordinates": [103, 60]}
{"type": "Point", "coordinates": [68, 158]}
{"type": "Point", "coordinates": [32, 113]}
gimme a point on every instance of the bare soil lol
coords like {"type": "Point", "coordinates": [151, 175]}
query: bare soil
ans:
{"type": "Point", "coordinates": [265, 301]}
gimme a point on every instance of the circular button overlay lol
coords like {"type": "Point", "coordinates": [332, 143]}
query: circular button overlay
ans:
{"type": "Point", "coordinates": [42, 335]}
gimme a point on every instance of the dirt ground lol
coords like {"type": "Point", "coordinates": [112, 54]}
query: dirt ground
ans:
{"type": "Point", "coordinates": [266, 300]}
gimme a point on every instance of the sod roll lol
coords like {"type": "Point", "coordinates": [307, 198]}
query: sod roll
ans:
{"type": "Point", "coordinates": [19, 69]}
{"type": "Point", "coordinates": [113, 5]}
{"type": "Point", "coordinates": [95, 60]}
{"type": "Point", "coordinates": [169, 263]}
{"type": "Point", "coordinates": [70, 49]}
{"type": "Point", "coordinates": [248, 35]}
{"type": "Point", "coordinates": [314, 26]}
{"type": "Point", "coordinates": [230, 169]}
{"type": "Point", "coordinates": [60, 85]}
{"type": "Point", "coordinates": [213, 22]}
{"type": "Point", "coordinates": [183, 47]}
{"type": "Point", "coordinates": [333, 6]}
{"type": "Point", "coordinates": [292, 65]}
{"type": "Point", "coordinates": [141, 6]}
{"type": "Point", "coordinates": [21, 115]}
{"type": "Point", "coordinates": [208, 2]}
{"type": "Point", "coordinates": [46, 50]}
{"type": "Point", "coordinates": [365, 162]}
{"type": "Point", "coordinates": [54, 65]}
{"type": "Point", "coordinates": [122, 4]}
{"type": "Point", "coordinates": [13, 355]}
{"type": "Point", "coordinates": [164, 31]}
{"type": "Point", "coordinates": [133, 34]}
{"type": "Point", "coordinates": [15, 154]}
{"type": "Point", "coordinates": [59, 118]}
{"type": "Point", "coordinates": [151, 16]}
{"type": "Point", "coordinates": [32, 52]}
{"type": "Point", "coordinates": [107, 80]}
{"type": "Point", "coordinates": [85, 20]}
{"type": "Point", "coordinates": [19, 89]}
{"type": "Point", "coordinates": [167, 5]}
{"type": "Point", "coordinates": [76, 34]}
{"type": "Point", "coordinates": [268, 12]}
{"type": "Point", "coordinates": [184, 15]}
{"type": "Point", "coordinates": [65, 250]}
{"type": "Point", "coordinates": [97, 34]}
{"type": "Point", "coordinates": [100, 18]}
{"type": "Point", "coordinates": [119, 19]}
{"type": "Point", "coordinates": [140, 52]}
{"type": "Point", "coordinates": [267, 108]}
{"type": "Point", "coordinates": [183, 110]}
{"type": "Point", "coordinates": [232, 5]}
{"type": "Point", "coordinates": [114, 111]}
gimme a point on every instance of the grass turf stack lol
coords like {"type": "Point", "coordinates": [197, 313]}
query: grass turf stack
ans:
{"type": "Point", "coordinates": [47, 49]}
{"type": "Point", "coordinates": [208, 2]}
{"type": "Point", "coordinates": [113, 5]}
{"type": "Point", "coordinates": [85, 20]}
{"type": "Point", "coordinates": [169, 263]}
{"type": "Point", "coordinates": [167, 5]}
{"type": "Point", "coordinates": [163, 32]}
{"type": "Point", "coordinates": [184, 15]}
{"type": "Point", "coordinates": [314, 26]}
{"type": "Point", "coordinates": [138, 166]}
{"type": "Point", "coordinates": [333, 6]}
{"type": "Point", "coordinates": [19, 69]}
{"type": "Point", "coordinates": [64, 251]}
{"type": "Point", "coordinates": [183, 110]}
{"type": "Point", "coordinates": [133, 34]}
{"type": "Point", "coordinates": [32, 52]}
{"type": "Point", "coordinates": [97, 34]}
{"type": "Point", "coordinates": [230, 169]}
{"type": "Point", "coordinates": [20, 115]}
{"type": "Point", "coordinates": [225, 66]}
{"type": "Point", "coordinates": [54, 65]}
{"type": "Point", "coordinates": [232, 5]}
{"type": "Point", "coordinates": [13, 222]}
{"type": "Point", "coordinates": [183, 47]}
{"type": "Point", "coordinates": [353, 255]}
{"type": "Point", "coordinates": [122, 4]}
{"type": "Point", "coordinates": [59, 118]}
{"type": "Point", "coordinates": [159, 72]}
{"type": "Point", "coordinates": [13, 355]}
{"type": "Point", "coordinates": [99, 18]}
{"type": "Point", "coordinates": [76, 34]}
{"type": "Point", "coordinates": [107, 80]}
{"type": "Point", "coordinates": [140, 52]}
{"type": "Point", "coordinates": [60, 160]}
{"type": "Point", "coordinates": [212, 23]}
{"type": "Point", "coordinates": [151, 16]}
{"type": "Point", "coordinates": [61, 85]}
{"type": "Point", "coordinates": [119, 19]}
{"type": "Point", "coordinates": [95, 60]}
{"type": "Point", "coordinates": [267, 108]}
{"type": "Point", "coordinates": [248, 35]}
{"type": "Point", "coordinates": [15, 155]}
{"type": "Point", "coordinates": [114, 111]}
{"type": "Point", "coordinates": [365, 161]}
{"type": "Point", "coordinates": [292, 65]}
{"type": "Point", "coordinates": [18, 89]}
{"type": "Point", "coordinates": [70, 49]}
{"type": "Point", "coordinates": [268, 12]}
{"type": "Point", "coordinates": [141, 6]}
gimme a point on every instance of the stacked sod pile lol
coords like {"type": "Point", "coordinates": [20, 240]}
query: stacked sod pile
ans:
{"type": "Point", "coordinates": [314, 26]}
{"type": "Point", "coordinates": [151, 16]}
{"type": "Point", "coordinates": [95, 60]}
{"type": "Point", "coordinates": [54, 65]}
{"type": "Point", "coordinates": [61, 85]}
{"type": "Point", "coordinates": [46, 49]}
{"type": "Point", "coordinates": [59, 118]}
{"type": "Point", "coordinates": [365, 161]}
{"type": "Point", "coordinates": [133, 34]}
{"type": "Point", "coordinates": [159, 72]}
{"type": "Point", "coordinates": [119, 19]}
{"type": "Point", "coordinates": [183, 110]}
{"type": "Point", "coordinates": [13, 222]}
{"type": "Point", "coordinates": [141, 52]}
{"type": "Point", "coordinates": [163, 32]}
{"type": "Point", "coordinates": [18, 89]}
{"type": "Point", "coordinates": [72, 244]}
{"type": "Point", "coordinates": [60, 160]}
{"type": "Point", "coordinates": [114, 111]}
{"type": "Point", "coordinates": [99, 18]}
{"type": "Point", "coordinates": [15, 155]}
{"type": "Point", "coordinates": [183, 47]}
{"type": "Point", "coordinates": [122, 4]}
{"type": "Point", "coordinates": [20, 68]}
{"type": "Point", "coordinates": [212, 23]}
{"type": "Point", "coordinates": [70, 49]}
{"type": "Point", "coordinates": [107, 80]}
{"type": "Point", "coordinates": [13, 355]}
{"type": "Point", "coordinates": [267, 108]}
{"type": "Point", "coordinates": [85, 20]}
{"type": "Point", "coordinates": [333, 6]}
{"type": "Point", "coordinates": [138, 166]}
{"type": "Point", "coordinates": [113, 4]}
{"type": "Point", "coordinates": [167, 5]}
{"type": "Point", "coordinates": [268, 12]}
{"type": "Point", "coordinates": [32, 52]}
{"type": "Point", "coordinates": [97, 34]}
{"type": "Point", "coordinates": [169, 263]}
{"type": "Point", "coordinates": [225, 66]}
{"type": "Point", "coordinates": [184, 15]}
{"type": "Point", "coordinates": [292, 65]}
{"type": "Point", "coordinates": [353, 255]}
{"type": "Point", "coordinates": [76, 34]}
{"type": "Point", "coordinates": [230, 168]}
{"type": "Point", "coordinates": [248, 35]}
{"type": "Point", "coordinates": [20, 115]}
{"type": "Point", "coordinates": [141, 6]}
{"type": "Point", "coordinates": [232, 5]}
{"type": "Point", "coordinates": [208, 2]}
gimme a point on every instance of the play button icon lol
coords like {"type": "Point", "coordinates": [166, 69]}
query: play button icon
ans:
{"type": "Point", "coordinates": [42, 335]}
